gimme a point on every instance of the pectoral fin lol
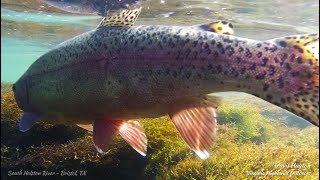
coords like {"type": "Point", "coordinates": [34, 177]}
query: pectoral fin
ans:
{"type": "Point", "coordinates": [131, 131]}
{"type": "Point", "coordinates": [27, 121]}
{"type": "Point", "coordinates": [197, 124]}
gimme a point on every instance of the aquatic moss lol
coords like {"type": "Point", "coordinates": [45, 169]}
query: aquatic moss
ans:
{"type": "Point", "coordinates": [247, 142]}
{"type": "Point", "coordinates": [9, 107]}
{"type": "Point", "coordinates": [250, 124]}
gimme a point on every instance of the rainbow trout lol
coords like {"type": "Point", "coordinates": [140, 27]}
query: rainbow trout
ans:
{"type": "Point", "coordinates": [117, 73]}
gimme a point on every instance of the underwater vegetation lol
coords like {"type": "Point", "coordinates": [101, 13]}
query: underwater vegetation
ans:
{"type": "Point", "coordinates": [250, 140]}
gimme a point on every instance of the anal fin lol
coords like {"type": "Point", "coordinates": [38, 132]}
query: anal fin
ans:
{"type": "Point", "coordinates": [197, 125]}
{"type": "Point", "coordinates": [131, 131]}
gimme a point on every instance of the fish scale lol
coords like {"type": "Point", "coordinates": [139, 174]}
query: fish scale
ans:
{"type": "Point", "coordinates": [118, 73]}
{"type": "Point", "coordinates": [201, 62]}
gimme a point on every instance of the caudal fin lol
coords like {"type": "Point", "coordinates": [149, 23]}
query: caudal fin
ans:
{"type": "Point", "coordinates": [302, 99]}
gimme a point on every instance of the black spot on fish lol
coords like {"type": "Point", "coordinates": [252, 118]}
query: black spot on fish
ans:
{"type": "Point", "coordinates": [261, 76]}
{"type": "Point", "coordinates": [178, 55]}
{"type": "Point", "coordinates": [219, 45]}
{"type": "Point", "coordinates": [283, 100]}
{"type": "Point", "coordinates": [300, 50]}
{"type": "Point", "coordinates": [174, 74]}
{"type": "Point", "coordinates": [222, 51]}
{"type": "Point", "coordinates": [131, 39]}
{"type": "Point", "coordinates": [280, 82]}
{"type": "Point", "coordinates": [306, 106]}
{"type": "Point", "coordinates": [188, 74]}
{"type": "Point", "coordinates": [276, 60]}
{"type": "Point", "coordinates": [295, 73]}
{"type": "Point", "coordinates": [219, 69]}
{"type": "Point", "coordinates": [215, 54]}
{"type": "Point", "coordinates": [229, 50]}
{"type": "Point", "coordinates": [242, 70]}
{"type": "Point", "coordinates": [269, 97]}
{"type": "Point", "coordinates": [288, 67]}
{"type": "Point", "coordinates": [248, 54]}
{"type": "Point", "coordinates": [238, 60]}
{"type": "Point", "coordinates": [259, 45]}
{"type": "Point", "coordinates": [187, 52]}
{"type": "Point", "coordinates": [195, 54]}
{"type": "Point", "coordinates": [212, 42]}
{"type": "Point", "coordinates": [240, 49]}
{"type": "Point", "coordinates": [259, 54]}
{"type": "Point", "coordinates": [271, 70]}
{"type": "Point", "coordinates": [195, 43]}
{"type": "Point", "coordinates": [288, 98]}
{"type": "Point", "coordinates": [283, 57]}
{"type": "Point", "coordinates": [264, 61]}
{"type": "Point", "coordinates": [299, 60]}
{"type": "Point", "coordinates": [274, 48]}
{"type": "Point", "coordinates": [206, 46]}
{"type": "Point", "coordinates": [227, 40]}
{"type": "Point", "coordinates": [283, 44]}
{"type": "Point", "coordinates": [253, 66]}
{"type": "Point", "coordinates": [265, 87]}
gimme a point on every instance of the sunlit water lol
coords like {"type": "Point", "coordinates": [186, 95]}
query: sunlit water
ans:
{"type": "Point", "coordinates": [27, 31]}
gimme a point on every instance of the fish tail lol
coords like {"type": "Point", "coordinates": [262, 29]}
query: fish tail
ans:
{"type": "Point", "coordinates": [301, 75]}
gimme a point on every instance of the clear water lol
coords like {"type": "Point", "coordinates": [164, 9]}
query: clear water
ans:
{"type": "Point", "coordinates": [29, 29]}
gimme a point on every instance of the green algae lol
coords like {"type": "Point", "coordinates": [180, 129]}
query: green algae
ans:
{"type": "Point", "coordinates": [247, 142]}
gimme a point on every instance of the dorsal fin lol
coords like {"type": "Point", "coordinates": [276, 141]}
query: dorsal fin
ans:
{"type": "Point", "coordinates": [220, 27]}
{"type": "Point", "coordinates": [124, 18]}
